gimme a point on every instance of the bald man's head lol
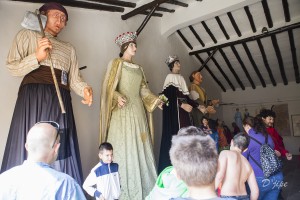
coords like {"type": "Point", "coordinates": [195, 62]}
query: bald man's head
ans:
{"type": "Point", "coordinates": [39, 143]}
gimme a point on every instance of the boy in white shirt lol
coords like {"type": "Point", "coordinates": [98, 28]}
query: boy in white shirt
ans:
{"type": "Point", "coordinates": [104, 176]}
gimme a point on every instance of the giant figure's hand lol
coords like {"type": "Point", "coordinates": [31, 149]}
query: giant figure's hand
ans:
{"type": "Point", "coordinates": [88, 96]}
{"type": "Point", "coordinates": [43, 48]}
{"type": "Point", "coordinates": [202, 109]}
{"type": "Point", "coordinates": [211, 110]}
{"type": "Point", "coordinates": [121, 102]}
{"type": "Point", "coordinates": [186, 107]}
{"type": "Point", "coordinates": [160, 105]}
{"type": "Point", "coordinates": [215, 101]}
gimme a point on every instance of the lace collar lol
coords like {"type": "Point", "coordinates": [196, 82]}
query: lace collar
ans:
{"type": "Point", "coordinates": [178, 81]}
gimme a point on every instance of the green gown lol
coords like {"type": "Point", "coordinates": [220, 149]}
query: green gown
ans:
{"type": "Point", "coordinates": [130, 136]}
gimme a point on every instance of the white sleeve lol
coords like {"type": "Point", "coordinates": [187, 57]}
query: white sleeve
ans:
{"type": "Point", "coordinates": [194, 95]}
{"type": "Point", "coordinates": [89, 184]}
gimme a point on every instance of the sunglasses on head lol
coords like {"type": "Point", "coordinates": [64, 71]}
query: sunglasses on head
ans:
{"type": "Point", "coordinates": [55, 125]}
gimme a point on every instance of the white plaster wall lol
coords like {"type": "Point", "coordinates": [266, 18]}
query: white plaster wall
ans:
{"type": "Point", "coordinates": [261, 97]}
{"type": "Point", "coordinates": [93, 33]}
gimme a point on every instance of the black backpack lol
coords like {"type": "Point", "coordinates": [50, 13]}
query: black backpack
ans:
{"type": "Point", "coordinates": [270, 163]}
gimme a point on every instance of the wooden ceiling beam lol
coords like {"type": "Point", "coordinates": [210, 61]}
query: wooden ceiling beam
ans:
{"type": "Point", "coordinates": [79, 4]}
{"type": "Point", "coordinates": [234, 24]}
{"type": "Point", "coordinates": [177, 3]}
{"type": "Point", "coordinates": [221, 71]}
{"type": "Point", "coordinates": [266, 63]}
{"type": "Point", "coordinates": [153, 14]}
{"type": "Point", "coordinates": [211, 73]}
{"type": "Point", "coordinates": [116, 3]}
{"type": "Point", "coordinates": [209, 32]}
{"type": "Point", "coordinates": [294, 56]}
{"type": "Point", "coordinates": [263, 83]}
{"type": "Point", "coordinates": [184, 39]}
{"type": "Point", "coordinates": [207, 59]}
{"type": "Point", "coordinates": [249, 15]}
{"type": "Point", "coordinates": [222, 27]}
{"type": "Point", "coordinates": [162, 9]}
{"type": "Point", "coordinates": [142, 8]}
{"type": "Point", "coordinates": [267, 13]}
{"type": "Point", "coordinates": [196, 35]}
{"type": "Point", "coordinates": [231, 69]}
{"type": "Point", "coordinates": [279, 59]}
{"type": "Point", "coordinates": [286, 10]}
{"type": "Point", "coordinates": [243, 66]}
{"type": "Point", "coordinates": [270, 33]}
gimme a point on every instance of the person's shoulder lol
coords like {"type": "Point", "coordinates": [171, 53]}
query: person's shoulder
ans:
{"type": "Point", "coordinates": [65, 179]}
{"type": "Point", "coordinates": [9, 174]}
{"type": "Point", "coordinates": [193, 86]}
{"type": "Point", "coordinates": [114, 167]}
{"type": "Point", "coordinates": [226, 153]}
{"type": "Point", "coordinates": [114, 164]}
{"type": "Point", "coordinates": [116, 61]}
{"type": "Point", "coordinates": [246, 163]}
{"type": "Point", "coordinates": [65, 43]}
{"type": "Point", "coordinates": [96, 166]}
{"type": "Point", "coordinates": [27, 32]}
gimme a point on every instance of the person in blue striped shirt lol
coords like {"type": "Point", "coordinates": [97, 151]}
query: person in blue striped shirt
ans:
{"type": "Point", "coordinates": [103, 182]}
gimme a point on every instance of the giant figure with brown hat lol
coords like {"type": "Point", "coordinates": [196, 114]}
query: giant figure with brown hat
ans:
{"type": "Point", "coordinates": [29, 56]}
{"type": "Point", "coordinates": [125, 103]}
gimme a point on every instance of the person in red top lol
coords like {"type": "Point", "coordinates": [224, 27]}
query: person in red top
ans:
{"type": "Point", "coordinates": [268, 117]}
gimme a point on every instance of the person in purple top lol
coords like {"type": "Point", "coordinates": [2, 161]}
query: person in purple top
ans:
{"type": "Point", "coordinates": [269, 188]}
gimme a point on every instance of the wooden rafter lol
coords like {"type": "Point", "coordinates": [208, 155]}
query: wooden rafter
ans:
{"type": "Point", "coordinates": [270, 33]}
{"type": "Point", "coordinates": [184, 39]}
{"type": "Point", "coordinates": [196, 35]}
{"type": "Point", "coordinates": [254, 64]}
{"type": "Point", "coordinates": [207, 59]}
{"type": "Point", "coordinates": [286, 10]}
{"type": "Point", "coordinates": [211, 73]}
{"type": "Point", "coordinates": [235, 26]}
{"type": "Point", "coordinates": [153, 14]}
{"type": "Point", "coordinates": [266, 63]}
{"type": "Point", "coordinates": [279, 58]}
{"type": "Point", "coordinates": [80, 4]}
{"type": "Point", "coordinates": [209, 32]}
{"type": "Point", "coordinates": [142, 8]}
{"type": "Point", "coordinates": [293, 50]}
{"type": "Point", "coordinates": [231, 69]}
{"type": "Point", "coordinates": [177, 3]}
{"type": "Point", "coordinates": [267, 13]}
{"type": "Point", "coordinates": [116, 3]}
{"type": "Point", "coordinates": [221, 71]}
{"type": "Point", "coordinates": [243, 66]}
{"type": "Point", "coordinates": [162, 9]}
{"type": "Point", "coordinates": [222, 28]}
{"type": "Point", "coordinates": [249, 15]}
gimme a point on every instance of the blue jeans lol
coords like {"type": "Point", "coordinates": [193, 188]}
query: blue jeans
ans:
{"type": "Point", "coordinates": [269, 188]}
